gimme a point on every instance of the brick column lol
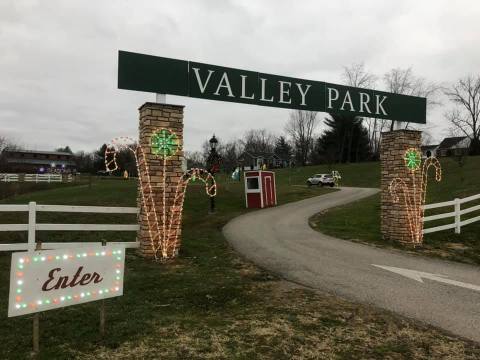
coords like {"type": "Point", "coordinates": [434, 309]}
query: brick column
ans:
{"type": "Point", "coordinates": [394, 219]}
{"type": "Point", "coordinates": [154, 117]}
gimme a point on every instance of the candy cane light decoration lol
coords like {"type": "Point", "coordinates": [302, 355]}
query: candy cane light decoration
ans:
{"type": "Point", "coordinates": [414, 194]}
{"type": "Point", "coordinates": [164, 230]}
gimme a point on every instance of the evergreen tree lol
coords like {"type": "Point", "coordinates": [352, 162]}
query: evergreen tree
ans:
{"type": "Point", "coordinates": [282, 148]}
{"type": "Point", "coordinates": [345, 140]}
{"type": "Point", "coordinates": [64, 149]}
{"type": "Point", "coordinates": [99, 159]}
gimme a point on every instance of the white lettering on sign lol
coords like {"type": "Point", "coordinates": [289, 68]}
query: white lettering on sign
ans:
{"type": "Point", "coordinates": [364, 100]}
{"type": "Point", "coordinates": [347, 100]}
{"type": "Point", "coordinates": [224, 83]}
{"type": "Point", "coordinates": [282, 92]}
{"type": "Point", "coordinates": [332, 98]}
{"type": "Point", "coordinates": [201, 86]}
{"type": "Point", "coordinates": [303, 93]}
{"type": "Point", "coordinates": [244, 86]}
{"type": "Point", "coordinates": [50, 279]}
{"type": "Point", "coordinates": [285, 91]}
{"type": "Point", "coordinates": [347, 104]}
{"type": "Point", "coordinates": [379, 105]}
{"type": "Point", "coordinates": [262, 87]}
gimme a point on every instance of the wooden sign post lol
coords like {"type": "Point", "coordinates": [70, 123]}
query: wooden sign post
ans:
{"type": "Point", "coordinates": [51, 279]}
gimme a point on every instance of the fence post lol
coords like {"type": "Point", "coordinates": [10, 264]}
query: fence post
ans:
{"type": "Point", "coordinates": [457, 216]}
{"type": "Point", "coordinates": [32, 222]}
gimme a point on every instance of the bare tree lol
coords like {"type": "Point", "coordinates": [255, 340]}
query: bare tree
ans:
{"type": "Point", "coordinates": [195, 159]}
{"type": "Point", "coordinates": [300, 127]}
{"type": "Point", "coordinates": [465, 116]}
{"type": "Point", "coordinates": [403, 81]}
{"type": "Point", "coordinates": [230, 152]}
{"type": "Point", "coordinates": [3, 143]}
{"type": "Point", "coordinates": [8, 143]}
{"type": "Point", "coordinates": [356, 75]}
{"type": "Point", "coordinates": [258, 141]}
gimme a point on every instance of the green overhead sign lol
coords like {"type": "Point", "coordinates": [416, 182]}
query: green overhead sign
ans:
{"type": "Point", "coordinates": [187, 78]}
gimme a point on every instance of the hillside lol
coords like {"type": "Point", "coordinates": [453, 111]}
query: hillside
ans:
{"type": "Point", "coordinates": [360, 221]}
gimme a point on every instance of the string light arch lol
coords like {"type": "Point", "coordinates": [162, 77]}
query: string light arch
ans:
{"type": "Point", "coordinates": [164, 144]}
{"type": "Point", "coordinates": [414, 195]}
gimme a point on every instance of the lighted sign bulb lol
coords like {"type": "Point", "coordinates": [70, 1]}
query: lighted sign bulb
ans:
{"type": "Point", "coordinates": [17, 306]}
{"type": "Point", "coordinates": [65, 257]}
{"type": "Point", "coordinates": [21, 260]}
{"type": "Point", "coordinates": [20, 282]}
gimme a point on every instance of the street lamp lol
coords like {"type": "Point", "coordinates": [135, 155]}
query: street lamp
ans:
{"type": "Point", "coordinates": [213, 143]}
{"type": "Point", "coordinates": [213, 164]}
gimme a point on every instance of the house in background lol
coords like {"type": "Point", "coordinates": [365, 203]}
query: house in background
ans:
{"type": "Point", "coordinates": [429, 150]}
{"type": "Point", "coordinates": [255, 161]}
{"type": "Point", "coordinates": [33, 162]}
{"type": "Point", "coordinates": [454, 146]}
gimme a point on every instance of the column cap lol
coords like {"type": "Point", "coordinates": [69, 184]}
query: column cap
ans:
{"type": "Point", "coordinates": [153, 105]}
{"type": "Point", "coordinates": [401, 131]}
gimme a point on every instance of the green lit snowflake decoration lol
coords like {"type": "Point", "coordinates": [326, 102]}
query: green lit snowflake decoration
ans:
{"type": "Point", "coordinates": [164, 143]}
{"type": "Point", "coordinates": [413, 159]}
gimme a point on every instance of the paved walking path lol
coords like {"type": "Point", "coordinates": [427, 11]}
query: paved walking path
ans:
{"type": "Point", "coordinates": [442, 293]}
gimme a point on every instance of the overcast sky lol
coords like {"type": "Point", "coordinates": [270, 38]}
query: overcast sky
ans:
{"type": "Point", "coordinates": [58, 58]}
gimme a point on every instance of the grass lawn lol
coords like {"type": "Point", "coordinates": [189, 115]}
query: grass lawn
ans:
{"type": "Point", "coordinates": [360, 221]}
{"type": "Point", "coordinates": [208, 303]}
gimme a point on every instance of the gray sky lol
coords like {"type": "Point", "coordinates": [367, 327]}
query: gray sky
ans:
{"type": "Point", "coordinates": [58, 58]}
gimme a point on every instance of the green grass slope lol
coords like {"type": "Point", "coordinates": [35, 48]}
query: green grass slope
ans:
{"type": "Point", "coordinates": [208, 303]}
{"type": "Point", "coordinates": [360, 221]}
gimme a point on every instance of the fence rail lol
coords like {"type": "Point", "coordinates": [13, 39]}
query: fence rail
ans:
{"type": "Point", "coordinates": [9, 177]}
{"type": "Point", "coordinates": [32, 226]}
{"type": "Point", "coordinates": [36, 178]}
{"type": "Point", "coordinates": [456, 214]}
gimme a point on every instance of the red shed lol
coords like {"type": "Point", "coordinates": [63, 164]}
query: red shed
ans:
{"type": "Point", "coordinates": [260, 189]}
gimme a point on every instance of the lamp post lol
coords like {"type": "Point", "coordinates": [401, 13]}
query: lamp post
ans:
{"type": "Point", "coordinates": [213, 165]}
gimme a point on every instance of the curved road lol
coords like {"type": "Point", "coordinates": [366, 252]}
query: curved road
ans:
{"type": "Point", "coordinates": [441, 293]}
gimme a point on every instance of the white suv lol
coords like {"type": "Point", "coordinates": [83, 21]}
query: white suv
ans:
{"type": "Point", "coordinates": [321, 179]}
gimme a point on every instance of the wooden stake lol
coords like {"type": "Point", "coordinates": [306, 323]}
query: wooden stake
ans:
{"type": "Point", "coordinates": [36, 319]}
{"type": "Point", "coordinates": [102, 318]}
{"type": "Point", "coordinates": [102, 308]}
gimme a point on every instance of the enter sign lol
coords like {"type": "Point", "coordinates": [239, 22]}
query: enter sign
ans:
{"type": "Point", "coordinates": [50, 279]}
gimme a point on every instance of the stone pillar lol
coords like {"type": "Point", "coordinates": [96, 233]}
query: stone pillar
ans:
{"type": "Point", "coordinates": [394, 218]}
{"type": "Point", "coordinates": [153, 118]}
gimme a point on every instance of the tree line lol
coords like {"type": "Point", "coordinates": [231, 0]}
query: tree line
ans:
{"type": "Point", "coordinates": [313, 138]}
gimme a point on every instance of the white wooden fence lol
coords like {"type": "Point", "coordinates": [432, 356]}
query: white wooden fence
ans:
{"type": "Point", "coordinates": [32, 227]}
{"type": "Point", "coordinates": [9, 177]}
{"type": "Point", "coordinates": [42, 178]}
{"type": "Point", "coordinates": [456, 214]}
{"type": "Point", "coordinates": [37, 178]}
